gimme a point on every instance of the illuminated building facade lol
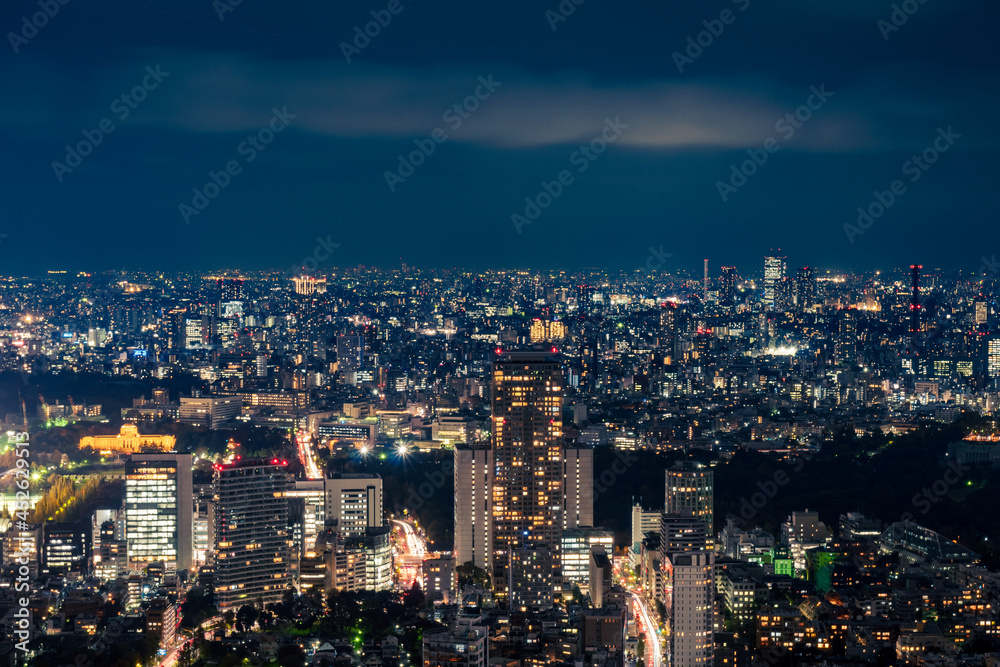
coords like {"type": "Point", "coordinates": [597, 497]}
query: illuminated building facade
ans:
{"type": "Point", "coordinates": [473, 495]}
{"type": "Point", "coordinates": [253, 540]}
{"type": "Point", "coordinates": [546, 331]}
{"type": "Point", "coordinates": [578, 487]}
{"type": "Point", "coordinates": [690, 492]}
{"type": "Point", "coordinates": [774, 274]}
{"type": "Point", "coordinates": [354, 502]}
{"type": "Point", "coordinates": [158, 511]}
{"type": "Point", "coordinates": [128, 441]}
{"type": "Point", "coordinates": [528, 479]}
{"type": "Point", "coordinates": [307, 285]}
{"type": "Point", "coordinates": [691, 608]}
{"type": "Point", "coordinates": [993, 357]}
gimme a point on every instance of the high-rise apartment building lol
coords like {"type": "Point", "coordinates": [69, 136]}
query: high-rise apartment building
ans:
{"type": "Point", "coordinates": [350, 352]}
{"type": "Point", "coordinates": [158, 511]}
{"type": "Point", "coordinates": [253, 541]}
{"type": "Point", "coordinates": [528, 479]}
{"type": "Point", "coordinates": [354, 501]}
{"type": "Point", "coordinates": [691, 608]}
{"type": "Point", "coordinates": [774, 274]}
{"type": "Point", "coordinates": [473, 496]}
{"type": "Point", "coordinates": [578, 487]}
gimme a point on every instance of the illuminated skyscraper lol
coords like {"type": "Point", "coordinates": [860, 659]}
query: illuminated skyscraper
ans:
{"type": "Point", "coordinates": [691, 492]}
{"type": "Point", "coordinates": [253, 539]}
{"type": "Point", "coordinates": [473, 497]}
{"type": "Point", "coordinates": [690, 608]}
{"type": "Point", "coordinates": [993, 357]}
{"type": "Point", "coordinates": [528, 478]}
{"type": "Point", "coordinates": [805, 289]}
{"type": "Point", "coordinates": [578, 487]}
{"type": "Point", "coordinates": [158, 511]}
{"type": "Point", "coordinates": [774, 273]}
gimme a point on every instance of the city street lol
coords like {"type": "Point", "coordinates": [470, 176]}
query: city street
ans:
{"type": "Point", "coordinates": [413, 549]}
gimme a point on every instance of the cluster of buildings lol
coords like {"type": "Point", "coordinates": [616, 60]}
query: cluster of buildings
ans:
{"type": "Point", "coordinates": [517, 376]}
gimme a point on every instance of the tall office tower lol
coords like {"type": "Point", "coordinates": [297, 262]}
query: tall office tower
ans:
{"type": "Point", "coordinates": [727, 287]}
{"type": "Point", "coordinates": [805, 289]}
{"type": "Point", "coordinates": [528, 479]}
{"type": "Point", "coordinates": [253, 541]}
{"type": "Point", "coordinates": [473, 495]}
{"type": "Point", "coordinates": [993, 357]}
{"type": "Point", "coordinates": [691, 608]}
{"type": "Point", "coordinates": [158, 511]}
{"type": "Point", "coordinates": [774, 273]}
{"type": "Point", "coordinates": [915, 302]}
{"type": "Point", "coordinates": [691, 492]}
{"type": "Point", "coordinates": [354, 501]}
{"type": "Point", "coordinates": [578, 487]}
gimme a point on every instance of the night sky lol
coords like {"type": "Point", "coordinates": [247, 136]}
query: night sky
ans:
{"type": "Point", "coordinates": [885, 92]}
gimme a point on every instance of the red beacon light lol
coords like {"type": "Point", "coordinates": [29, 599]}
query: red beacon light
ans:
{"type": "Point", "coordinates": [274, 462]}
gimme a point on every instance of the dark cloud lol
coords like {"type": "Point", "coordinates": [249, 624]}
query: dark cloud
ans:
{"type": "Point", "coordinates": [656, 185]}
